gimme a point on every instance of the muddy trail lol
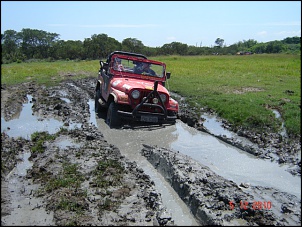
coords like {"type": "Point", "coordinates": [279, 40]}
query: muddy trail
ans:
{"type": "Point", "coordinates": [63, 165]}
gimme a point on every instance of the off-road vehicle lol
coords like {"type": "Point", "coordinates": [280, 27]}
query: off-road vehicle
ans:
{"type": "Point", "coordinates": [131, 86]}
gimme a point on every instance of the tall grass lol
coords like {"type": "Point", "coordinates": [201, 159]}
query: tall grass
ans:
{"type": "Point", "coordinates": [241, 89]}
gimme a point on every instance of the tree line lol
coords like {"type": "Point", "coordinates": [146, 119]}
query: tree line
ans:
{"type": "Point", "coordinates": [38, 44]}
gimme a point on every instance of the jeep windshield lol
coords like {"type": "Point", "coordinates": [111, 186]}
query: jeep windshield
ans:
{"type": "Point", "coordinates": [138, 66]}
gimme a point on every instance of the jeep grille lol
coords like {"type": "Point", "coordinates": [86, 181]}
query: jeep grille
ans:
{"type": "Point", "coordinates": [144, 94]}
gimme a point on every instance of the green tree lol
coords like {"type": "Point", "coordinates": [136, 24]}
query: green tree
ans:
{"type": "Point", "coordinates": [33, 43]}
{"type": "Point", "coordinates": [36, 43]}
{"type": "Point", "coordinates": [69, 49]}
{"type": "Point", "coordinates": [99, 46]}
{"type": "Point", "coordinates": [167, 49]}
{"type": "Point", "coordinates": [259, 48]}
{"type": "Point", "coordinates": [274, 47]}
{"type": "Point", "coordinates": [174, 48]}
{"type": "Point", "coordinates": [219, 42]}
{"type": "Point", "coordinates": [179, 48]}
{"type": "Point", "coordinates": [232, 49]}
{"type": "Point", "coordinates": [10, 42]}
{"type": "Point", "coordinates": [112, 45]}
{"type": "Point", "coordinates": [132, 45]}
{"type": "Point", "coordinates": [292, 40]}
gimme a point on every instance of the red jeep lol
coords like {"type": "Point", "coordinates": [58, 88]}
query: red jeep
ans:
{"type": "Point", "coordinates": [132, 87]}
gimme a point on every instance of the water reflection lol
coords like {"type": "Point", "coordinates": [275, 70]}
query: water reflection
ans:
{"type": "Point", "coordinates": [233, 163]}
{"type": "Point", "coordinates": [92, 118]}
{"type": "Point", "coordinates": [212, 124]}
{"type": "Point", "coordinates": [27, 123]}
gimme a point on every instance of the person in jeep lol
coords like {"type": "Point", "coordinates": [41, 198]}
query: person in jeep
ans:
{"type": "Point", "coordinates": [118, 64]}
{"type": "Point", "coordinates": [144, 68]}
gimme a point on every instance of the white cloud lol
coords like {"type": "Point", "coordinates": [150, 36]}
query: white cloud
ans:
{"type": "Point", "coordinates": [290, 33]}
{"type": "Point", "coordinates": [171, 38]}
{"type": "Point", "coordinates": [292, 23]}
{"type": "Point", "coordinates": [263, 33]}
{"type": "Point", "coordinates": [58, 25]}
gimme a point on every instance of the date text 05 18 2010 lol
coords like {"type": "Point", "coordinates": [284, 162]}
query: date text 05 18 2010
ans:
{"type": "Point", "coordinates": [256, 205]}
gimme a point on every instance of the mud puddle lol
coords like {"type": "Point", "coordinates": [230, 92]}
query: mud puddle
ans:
{"type": "Point", "coordinates": [27, 123]}
{"type": "Point", "coordinates": [220, 157]}
{"type": "Point", "coordinates": [214, 126]}
{"type": "Point", "coordinates": [225, 160]}
{"type": "Point", "coordinates": [233, 163]}
{"type": "Point", "coordinates": [129, 142]}
{"type": "Point", "coordinates": [25, 209]}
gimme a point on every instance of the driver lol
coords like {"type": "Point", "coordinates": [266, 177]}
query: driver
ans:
{"type": "Point", "coordinates": [144, 68]}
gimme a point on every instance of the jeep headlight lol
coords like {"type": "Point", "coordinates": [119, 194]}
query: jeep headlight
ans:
{"type": "Point", "coordinates": [163, 97]}
{"type": "Point", "coordinates": [135, 94]}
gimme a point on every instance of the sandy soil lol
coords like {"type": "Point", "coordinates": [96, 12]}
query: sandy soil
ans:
{"type": "Point", "coordinates": [91, 183]}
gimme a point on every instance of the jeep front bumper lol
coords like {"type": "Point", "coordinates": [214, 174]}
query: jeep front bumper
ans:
{"type": "Point", "coordinates": [147, 116]}
{"type": "Point", "coordinates": [139, 113]}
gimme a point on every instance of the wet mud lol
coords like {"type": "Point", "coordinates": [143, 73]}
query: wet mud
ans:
{"type": "Point", "coordinates": [111, 189]}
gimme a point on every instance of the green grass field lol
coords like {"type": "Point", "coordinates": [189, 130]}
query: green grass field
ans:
{"type": "Point", "coordinates": [241, 89]}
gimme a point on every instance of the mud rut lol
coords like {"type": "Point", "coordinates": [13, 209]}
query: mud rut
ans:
{"type": "Point", "coordinates": [133, 200]}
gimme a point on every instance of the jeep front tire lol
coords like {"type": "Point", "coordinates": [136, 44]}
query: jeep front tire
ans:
{"type": "Point", "coordinates": [97, 106]}
{"type": "Point", "coordinates": [113, 119]}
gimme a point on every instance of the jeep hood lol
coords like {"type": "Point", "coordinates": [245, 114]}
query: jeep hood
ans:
{"type": "Point", "coordinates": [127, 84]}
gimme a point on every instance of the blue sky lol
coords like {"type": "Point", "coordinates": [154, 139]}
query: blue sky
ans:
{"type": "Point", "coordinates": [156, 23]}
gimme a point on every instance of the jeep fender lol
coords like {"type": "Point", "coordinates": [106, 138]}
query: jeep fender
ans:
{"type": "Point", "coordinates": [98, 85]}
{"type": "Point", "coordinates": [114, 97]}
{"type": "Point", "coordinates": [118, 97]}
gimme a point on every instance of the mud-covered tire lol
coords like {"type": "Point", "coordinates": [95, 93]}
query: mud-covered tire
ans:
{"type": "Point", "coordinates": [113, 119]}
{"type": "Point", "coordinates": [97, 106]}
{"type": "Point", "coordinates": [172, 114]}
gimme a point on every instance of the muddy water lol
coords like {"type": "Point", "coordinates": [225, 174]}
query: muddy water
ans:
{"type": "Point", "coordinates": [131, 148]}
{"type": "Point", "coordinates": [225, 160]}
{"type": "Point", "coordinates": [27, 123]}
{"type": "Point", "coordinates": [25, 208]}
{"type": "Point", "coordinates": [233, 163]}
{"type": "Point", "coordinates": [129, 142]}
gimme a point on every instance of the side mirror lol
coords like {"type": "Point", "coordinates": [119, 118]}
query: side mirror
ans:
{"type": "Point", "coordinates": [101, 64]}
{"type": "Point", "coordinates": [168, 75]}
{"type": "Point", "coordinates": [104, 65]}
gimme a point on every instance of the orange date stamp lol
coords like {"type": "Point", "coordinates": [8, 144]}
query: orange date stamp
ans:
{"type": "Point", "coordinates": [256, 205]}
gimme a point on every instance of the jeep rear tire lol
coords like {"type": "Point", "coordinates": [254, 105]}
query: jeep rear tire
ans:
{"type": "Point", "coordinates": [113, 119]}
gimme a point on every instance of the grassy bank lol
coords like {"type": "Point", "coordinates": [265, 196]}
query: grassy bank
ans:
{"type": "Point", "coordinates": [48, 73]}
{"type": "Point", "coordinates": [241, 89]}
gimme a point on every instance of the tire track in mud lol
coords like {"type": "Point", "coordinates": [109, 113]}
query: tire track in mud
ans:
{"type": "Point", "coordinates": [138, 201]}
{"type": "Point", "coordinates": [215, 200]}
